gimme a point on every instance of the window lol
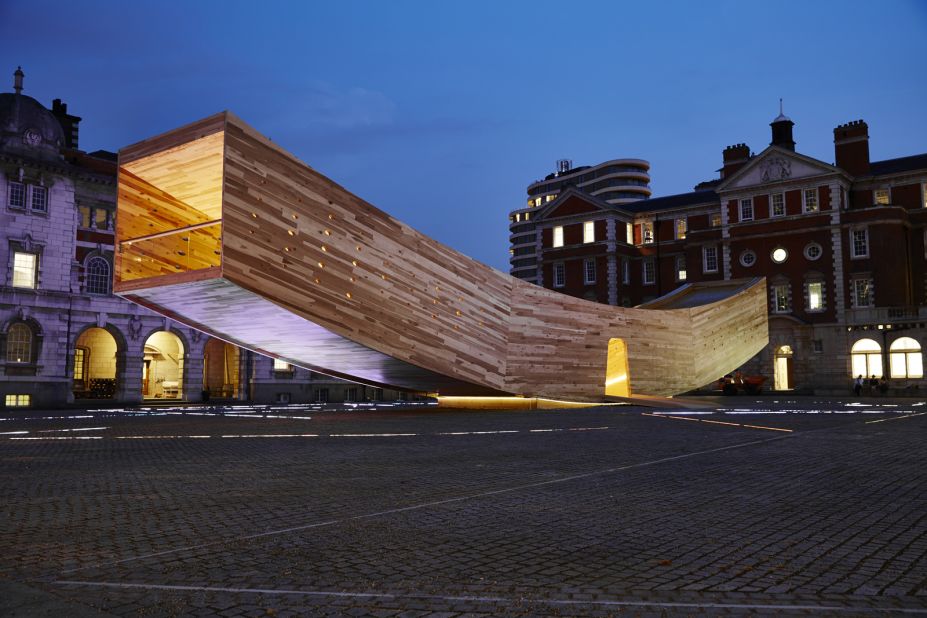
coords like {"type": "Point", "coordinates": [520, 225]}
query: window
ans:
{"type": "Point", "coordinates": [746, 209]}
{"type": "Point", "coordinates": [80, 364]}
{"type": "Point", "coordinates": [84, 212]}
{"type": "Point", "coordinates": [18, 401]}
{"type": "Point", "coordinates": [282, 365]}
{"type": "Point", "coordinates": [716, 220]}
{"type": "Point", "coordinates": [100, 218]}
{"type": "Point", "coordinates": [748, 258]}
{"type": "Point", "coordinates": [905, 360]}
{"type": "Point", "coordinates": [881, 197]}
{"type": "Point", "coordinates": [862, 292]}
{"type": "Point", "coordinates": [558, 236]}
{"type": "Point", "coordinates": [813, 251]}
{"type": "Point", "coordinates": [589, 270]}
{"type": "Point", "coordinates": [780, 295]}
{"type": "Point", "coordinates": [777, 200]}
{"type": "Point", "coordinates": [350, 393]}
{"type": "Point", "coordinates": [682, 226]}
{"type": "Point", "coordinates": [19, 344]}
{"type": "Point", "coordinates": [550, 198]}
{"type": "Point", "coordinates": [866, 358]}
{"type": "Point", "coordinates": [589, 231]}
{"type": "Point", "coordinates": [97, 277]}
{"type": "Point", "coordinates": [859, 243]}
{"type": "Point", "coordinates": [811, 200]}
{"type": "Point", "coordinates": [779, 255]}
{"type": "Point", "coordinates": [17, 195]}
{"type": "Point", "coordinates": [649, 271]}
{"type": "Point", "coordinates": [815, 296]}
{"type": "Point", "coordinates": [559, 275]}
{"type": "Point", "coordinates": [680, 268]}
{"type": "Point", "coordinates": [24, 267]}
{"type": "Point", "coordinates": [625, 271]}
{"type": "Point", "coordinates": [629, 232]}
{"type": "Point", "coordinates": [710, 259]}
{"type": "Point", "coordinates": [647, 233]}
{"type": "Point", "coordinates": [817, 346]}
{"type": "Point", "coordinates": [924, 195]}
{"type": "Point", "coordinates": [39, 198]}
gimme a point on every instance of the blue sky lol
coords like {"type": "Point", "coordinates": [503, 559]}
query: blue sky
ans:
{"type": "Point", "coordinates": [441, 113]}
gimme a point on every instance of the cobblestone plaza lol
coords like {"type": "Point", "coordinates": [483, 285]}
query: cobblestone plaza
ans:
{"type": "Point", "coordinates": [752, 507]}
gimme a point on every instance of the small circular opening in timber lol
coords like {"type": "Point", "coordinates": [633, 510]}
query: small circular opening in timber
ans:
{"type": "Point", "coordinates": [324, 248]}
{"type": "Point", "coordinates": [358, 247]}
{"type": "Point", "coordinates": [458, 312]}
{"type": "Point", "coordinates": [321, 265]}
{"type": "Point", "coordinates": [327, 232]}
{"type": "Point", "coordinates": [254, 215]}
{"type": "Point", "coordinates": [295, 217]}
{"type": "Point", "coordinates": [291, 232]}
{"type": "Point", "coordinates": [331, 217]}
{"type": "Point", "coordinates": [353, 280]}
{"type": "Point", "coordinates": [348, 294]}
{"type": "Point", "coordinates": [354, 262]}
{"type": "Point", "coordinates": [287, 249]}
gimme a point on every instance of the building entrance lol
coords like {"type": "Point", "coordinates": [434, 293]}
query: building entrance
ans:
{"type": "Point", "coordinates": [95, 354]}
{"type": "Point", "coordinates": [782, 368]}
{"type": "Point", "coordinates": [220, 369]}
{"type": "Point", "coordinates": [617, 381]}
{"type": "Point", "coordinates": [162, 371]}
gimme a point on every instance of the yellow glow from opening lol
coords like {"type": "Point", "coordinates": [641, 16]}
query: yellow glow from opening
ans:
{"type": "Point", "coordinates": [617, 380]}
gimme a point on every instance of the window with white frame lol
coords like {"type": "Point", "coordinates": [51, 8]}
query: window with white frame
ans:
{"type": "Point", "coordinates": [97, 279]}
{"type": "Point", "coordinates": [19, 343]}
{"type": "Point", "coordinates": [24, 269]}
{"type": "Point", "coordinates": [558, 236]}
{"type": "Point", "coordinates": [881, 197]}
{"type": "Point", "coordinates": [648, 271]}
{"type": "Point", "coordinates": [813, 251]}
{"type": "Point", "coordinates": [710, 259]}
{"type": "Point", "coordinates": [815, 296]}
{"type": "Point", "coordinates": [777, 204]}
{"type": "Point", "coordinates": [589, 231]}
{"type": "Point", "coordinates": [629, 233]}
{"type": "Point", "coordinates": [859, 243]}
{"type": "Point", "coordinates": [589, 271]}
{"type": "Point", "coordinates": [682, 227]}
{"type": "Point", "coordinates": [39, 198]}
{"type": "Point", "coordinates": [647, 232]}
{"type": "Point", "coordinates": [861, 289]}
{"type": "Point", "coordinates": [905, 359]}
{"type": "Point", "coordinates": [625, 271]}
{"type": "Point", "coordinates": [680, 268]}
{"type": "Point", "coordinates": [810, 199]}
{"type": "Point", "coordinates": [746, 209]}
{"type": "Point", "coordinates": [559, 274]}
{"type": "Point", "coordinates": [17, 195]}
{"type": "Point", "coordinates": [866, 358]}
{"type": "Point", "coordinates": [780, 298]}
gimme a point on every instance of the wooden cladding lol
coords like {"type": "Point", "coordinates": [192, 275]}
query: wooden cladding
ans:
{"type": "Point", "coordinates": [299, 268]}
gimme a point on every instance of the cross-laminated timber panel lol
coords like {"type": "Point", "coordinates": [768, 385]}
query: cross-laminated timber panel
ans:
{"type": "Point", "coordinates": [301, 269]}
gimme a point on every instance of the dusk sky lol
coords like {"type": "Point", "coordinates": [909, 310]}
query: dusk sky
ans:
{"type": "Point", "coordinates": [441, 113]}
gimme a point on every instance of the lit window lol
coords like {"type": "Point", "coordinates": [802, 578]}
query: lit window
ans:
{"type": "Point", "coordinates": [649, 271]}
{"type": "Point", "coordinates": [281, 365]}
{"type": "Point", "coordinates": [625, 271]}
{"type": "Point", "coordinates": [589, 231]}
{"type": "Point", "coordinates": [24, 269]}
{"type": "Point", "coordinates": [882, 198]}
{"type": "Point", "coordinates": [80, 360]}
{"type": "Point", "coordinates": [905, 360]}
{"type": "Point", "coordinates": [551, 198]}
{"type": "Point", "coordinates": [866, 358]}
{"type": "Point", "coordinates": [629, 233]}
{"type": "Point", "coordinates": [647, 232]}
{"type": "Point", "coordinates": [84, 213]}
{"type": "Point", "coordinates": [682, 226]}
{"type": "Point", "coordinates": [862, 292]}
{"type": "Point", "coordinates": [517, 217]}
{"type": "Point", "coordinates": [19, 344]}
{"type": "Point", "coordinates": [924, 195]}
{"type": "Point", "coordinates": [100, 218]}
{"type": "Point", "coordinates": [527, 216]}
{"type": "Point", "coordinates": [558, 236]}
{"type": "Point", "coordinates": [17, 195]}
{"type": "Point", "coordinates": [811, 200]}
{"type": "Point", "coordinates": [779, 255]}
{"type": "Point", "coordinates": [710, 259]}
{"type": "Point", "coordinates": [748, 258]}
{"type": "Point", "coordinates": [589, 270]}
{"type": "Point", "coordinates": [746, 209]}
{"type": "Point", "coordinates": [778, 204]}
{"type": "Point", "coordinates": [716, 220]}
{"type": "Point", "coordinates": [18, 401]}
{"type": "Point", "coordinates": [780, 294]}
{"type": "Point", "coordinates": [97, 278]}
{"type": "Point", "coordinates": [815, 296]}
{"type": "Point", "coordinates": [39, 198]}
{"type": "Point", "coordinates": [813, 251]}
{"type": "Point", "coordinates": [680, 268]}
{"type": "Point", "coordinates": [859, 243]}
{"type": "Point", "coordinates": [559, 275]}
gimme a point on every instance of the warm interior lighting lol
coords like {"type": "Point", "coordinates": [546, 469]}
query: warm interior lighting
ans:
{"type": "Point", "coordinates": [321, 265]}
{"type": "Point", "coordinates": [348, 294]}
{"type": "Point", "coordinates": [354, 262]}
{"type": "Point", "coordinates": [324, 248]}
{"type": "Point", "coordinates": [328, 232]}
{"type": "Point", "coordinates": [291, 232]}
{"type": "Point", "coordinates": [617, 381]}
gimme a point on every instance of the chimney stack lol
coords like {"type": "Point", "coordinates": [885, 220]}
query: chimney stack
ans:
{"type": "Point", "coordinates": [851, 147]}
{"type": "Point", "coordinates": [69, 123]}
{"type": "Point", "coordinates": [734, 158]}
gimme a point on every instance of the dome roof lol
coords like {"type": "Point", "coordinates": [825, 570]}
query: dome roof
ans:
{"type": "Point", "coordinates": [28, 127]}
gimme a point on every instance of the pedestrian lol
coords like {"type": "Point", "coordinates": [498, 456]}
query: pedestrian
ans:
{"type": "Point", "coordinates": [872, 385]}
{"type": "Point", "coordinates": [858, 385]}
{"type": "Point", "coordinates": [883, 386]}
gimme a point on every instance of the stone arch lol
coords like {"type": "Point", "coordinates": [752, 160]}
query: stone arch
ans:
{"type": "Point", "coordinates": [164, 355]}
{"type": "Point", "coordinates": [97, 362]}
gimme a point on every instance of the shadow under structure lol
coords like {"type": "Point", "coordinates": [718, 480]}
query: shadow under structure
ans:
{"type": "Point", "coordinates": [221, 229]}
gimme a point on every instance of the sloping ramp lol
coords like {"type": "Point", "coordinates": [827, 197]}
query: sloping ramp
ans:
{"type": "Point", "coordinates": [221, 229]}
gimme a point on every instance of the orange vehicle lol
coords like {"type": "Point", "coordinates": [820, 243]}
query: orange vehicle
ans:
{"type": "Point", "coordinates": [737, 383]}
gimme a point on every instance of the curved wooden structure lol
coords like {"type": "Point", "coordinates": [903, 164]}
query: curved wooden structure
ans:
{"type": "Point", "coordinates": [221, 229]}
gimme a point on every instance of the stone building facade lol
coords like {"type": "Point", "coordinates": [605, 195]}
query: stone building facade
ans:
{"type": "Point", "coordinates": [64, 338]}
{"type": "Point", "coordinates": [843, 248]}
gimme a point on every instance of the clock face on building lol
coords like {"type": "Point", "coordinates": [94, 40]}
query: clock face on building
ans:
{"type": "Point", "coordinates": [32, 137]}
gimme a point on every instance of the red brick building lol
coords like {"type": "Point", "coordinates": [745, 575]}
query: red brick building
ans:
{"type": "Point", "coordinates": [842, 247]}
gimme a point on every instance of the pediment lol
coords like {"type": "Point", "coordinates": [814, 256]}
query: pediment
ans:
{"type": "Point", "coordinates": [570, 203]}
{"type": "Point", "coordinates": [776, 165]}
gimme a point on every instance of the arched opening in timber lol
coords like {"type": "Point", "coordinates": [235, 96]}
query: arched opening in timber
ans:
{"type": "Point", "coordinates": [162, 369]}
{"type": "Point", "coordinates": [221, 369]}
{"type": "Point", "coordinates": [95, 365]}
{"type": "Point", "coordinates": [782, 368]}
{"type": "Point", "coordinates": [617, 380]}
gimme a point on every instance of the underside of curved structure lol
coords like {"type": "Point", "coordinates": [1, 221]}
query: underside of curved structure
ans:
{"type": "Point", "coordinates": [221, 229]}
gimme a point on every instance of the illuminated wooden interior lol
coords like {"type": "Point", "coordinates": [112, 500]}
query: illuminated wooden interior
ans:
{"type": "Point", "coordinates": [221, 229]}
